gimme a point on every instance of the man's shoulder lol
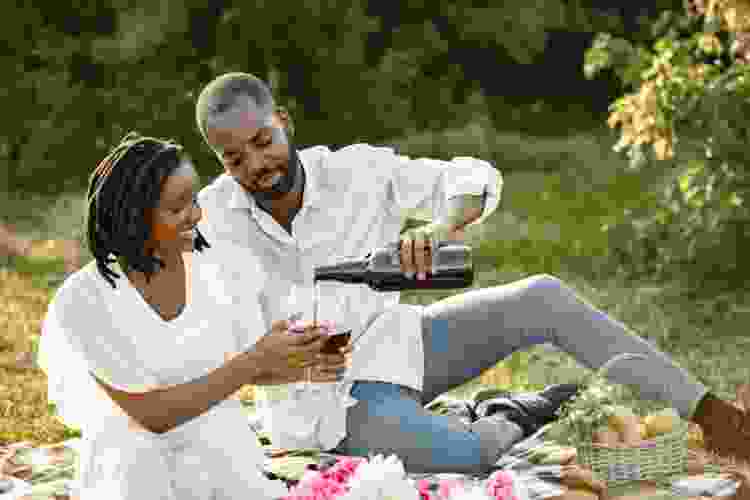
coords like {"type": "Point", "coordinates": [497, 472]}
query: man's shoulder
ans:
{"type": "Point", "coordinates": [217, 185]}
{"type": "Point", "coordinates": [217, 193]}
{"type": "Point", "coordinates": [346, 159]}
{"type": "Point", "coordinates": [360, 148]}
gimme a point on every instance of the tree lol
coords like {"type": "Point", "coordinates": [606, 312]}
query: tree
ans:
{"type": "Point", "coordinates": [79, 75]}
{"type": "Point", "coordinates": [690, 88]}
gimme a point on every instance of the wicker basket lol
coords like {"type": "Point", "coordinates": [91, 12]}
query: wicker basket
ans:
{"type": "Point", "coordinates": [658, 459]}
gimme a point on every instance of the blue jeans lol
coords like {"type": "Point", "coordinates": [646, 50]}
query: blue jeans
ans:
{"type": "Point", "coordinates": [466, 334]}
{"type": "Point", "coordinates": [396, 422]}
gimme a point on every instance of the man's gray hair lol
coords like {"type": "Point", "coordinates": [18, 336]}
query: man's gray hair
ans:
{"type": "Point", "coordinates": [224, 92]}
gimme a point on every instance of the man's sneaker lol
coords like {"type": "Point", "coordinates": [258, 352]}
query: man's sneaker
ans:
{"type": "Point", "coordinates": [460, 408]}
{"type": "Point", "coordinates": [530, 410]}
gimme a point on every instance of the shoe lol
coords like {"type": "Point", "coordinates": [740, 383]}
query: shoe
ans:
{"type": "Point", "coordinates": [489, 393]}
{"type": "Point", "coordinates": [726, 427]}
{"type": "Point", "coordinates": [460, 408]}
{"type": "Point", "coordinates": [529, 410]}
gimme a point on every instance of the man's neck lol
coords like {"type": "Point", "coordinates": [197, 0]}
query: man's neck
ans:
{"type": "Point", "coordinates": [284, 209]}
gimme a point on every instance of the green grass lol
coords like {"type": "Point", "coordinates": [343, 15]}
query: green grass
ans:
{"type": "Point", "coordinates": [548, 222]}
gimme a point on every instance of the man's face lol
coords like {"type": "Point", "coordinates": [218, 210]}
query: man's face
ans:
{"type": "Point", "coordinates": [251, 144]}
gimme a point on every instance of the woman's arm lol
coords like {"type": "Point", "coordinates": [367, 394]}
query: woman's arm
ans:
{"type": "Point", "coordinates": [161, 410]}
{"type": "Point", "coordinates": [267, 362]}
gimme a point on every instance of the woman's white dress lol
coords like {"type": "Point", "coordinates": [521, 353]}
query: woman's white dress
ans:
{"type": "Point", "coordinates": [115, 334]}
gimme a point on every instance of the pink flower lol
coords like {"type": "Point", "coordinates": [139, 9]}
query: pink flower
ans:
{"type": "Point", "coordinates": [424, 489]}
{"type": "Point", "coordinates": [500, 486]}
{"type": "Point", "coordinates": [313, 486]}
{"type": "Point", "coordinates": [449, 487]}
{"type": "Point", "coordinates": [341, 476]}
{"type": "Point", "coordinates": [345, 467]}
{"type": "Point", "coordinates": [317, 482]}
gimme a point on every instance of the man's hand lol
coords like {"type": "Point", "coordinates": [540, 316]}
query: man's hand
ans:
{"type": "Point", "coordinates": [417, 246]}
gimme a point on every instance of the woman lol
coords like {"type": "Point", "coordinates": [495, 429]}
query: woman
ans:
{"type": "Point", "coordinates": [147, 369]}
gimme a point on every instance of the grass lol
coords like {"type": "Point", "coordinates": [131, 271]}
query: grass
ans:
{"type": "Point", "coordinates": [519, 240]}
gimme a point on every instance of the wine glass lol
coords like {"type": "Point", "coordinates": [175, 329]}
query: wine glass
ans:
{"type": "Point", "coordinates": [334, 309]}
{"type": "Point", "coordinates": [329, 307]}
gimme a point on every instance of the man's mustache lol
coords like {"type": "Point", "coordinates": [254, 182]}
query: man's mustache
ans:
{"type": "Point", "coordinates": [259, 174]}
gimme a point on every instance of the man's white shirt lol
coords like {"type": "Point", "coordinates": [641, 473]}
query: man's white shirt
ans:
{"type": "Point", "coordinates": [355, 200]}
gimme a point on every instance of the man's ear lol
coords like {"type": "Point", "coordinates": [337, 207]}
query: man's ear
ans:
{"type": "Point", "coordinates": [282, 114]}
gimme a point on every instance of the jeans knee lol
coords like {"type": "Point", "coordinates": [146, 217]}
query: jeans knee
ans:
{"type": "Point", "coordinates": [544, 281]}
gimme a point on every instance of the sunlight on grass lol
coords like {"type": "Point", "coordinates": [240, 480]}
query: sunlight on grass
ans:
{"type": "Point", "coordinates": [23, 410]}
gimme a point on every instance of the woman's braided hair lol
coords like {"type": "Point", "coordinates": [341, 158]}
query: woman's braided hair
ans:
{"type": "Point", "coordinates": [125, 184]}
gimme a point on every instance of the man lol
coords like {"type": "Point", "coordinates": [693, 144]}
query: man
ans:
{"type": "Point", "coordinates": [299, 209]}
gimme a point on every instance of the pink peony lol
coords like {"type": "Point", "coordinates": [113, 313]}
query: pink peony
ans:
{"type": "Point", "coordinates": [500, 486]}
{"type": "Point", "coordinates": [425, 493]}
{"type": "Point", "coordinates": [450, 487]}
{"type": "Point", "coordinates": [313, 486]}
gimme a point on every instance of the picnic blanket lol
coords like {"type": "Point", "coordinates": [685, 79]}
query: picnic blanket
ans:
{"type": "Point", "coordinates": [48, 472]}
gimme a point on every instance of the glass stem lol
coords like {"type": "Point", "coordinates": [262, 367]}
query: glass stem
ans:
{"type": "Point", "coordinates": [315, 322]}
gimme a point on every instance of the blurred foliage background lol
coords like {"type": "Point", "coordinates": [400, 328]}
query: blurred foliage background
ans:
{"type": "Point", "coordinates": [78, 75]}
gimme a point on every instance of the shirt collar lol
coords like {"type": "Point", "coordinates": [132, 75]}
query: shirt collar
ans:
{"type": "Point", "coordinates": [241, 199]}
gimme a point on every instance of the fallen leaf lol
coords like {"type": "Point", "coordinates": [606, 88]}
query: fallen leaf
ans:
{"type": "Point", "coordinates": [24, 361]}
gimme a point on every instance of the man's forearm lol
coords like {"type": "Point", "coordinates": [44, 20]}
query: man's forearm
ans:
{"type": "Point", "coordinates": [463, 209]}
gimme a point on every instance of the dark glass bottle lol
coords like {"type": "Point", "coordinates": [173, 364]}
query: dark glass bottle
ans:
{"type": "Point", "coordinates": [381, 269]}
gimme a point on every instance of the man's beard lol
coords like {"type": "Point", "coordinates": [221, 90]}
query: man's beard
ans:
{"type": "Point", "coordinates": [283, 183]}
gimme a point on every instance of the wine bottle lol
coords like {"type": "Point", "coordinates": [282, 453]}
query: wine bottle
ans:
{"type": "Point", "coordinates": [381, 269]}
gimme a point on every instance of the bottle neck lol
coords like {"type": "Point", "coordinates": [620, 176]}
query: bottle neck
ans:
{"type": "Point", "coordinates": [348, 271]}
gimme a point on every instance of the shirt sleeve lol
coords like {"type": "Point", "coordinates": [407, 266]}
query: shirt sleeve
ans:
{"type": "Point", "coordinates": [78, 323]}
{"type": "Point", "coordinates": [420, 187]}
{"type": "Point", "coordinates": [77, 342]}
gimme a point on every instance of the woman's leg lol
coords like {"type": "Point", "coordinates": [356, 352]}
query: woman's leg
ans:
{"type": "Point", "coordinates": [389, 419]}
{"type": "Point", "coordinates": [123, 466]}
{"type": "Point", "coordinates": [469, 333]}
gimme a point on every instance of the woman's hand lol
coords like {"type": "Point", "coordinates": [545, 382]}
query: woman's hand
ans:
{"type": "Point", "coordinates": [283, 358]}
{"type": "Point", "coordinates": [331, 367]}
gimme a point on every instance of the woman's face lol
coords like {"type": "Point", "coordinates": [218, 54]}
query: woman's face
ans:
{"type": "Point", "coordinates": [174, 218]}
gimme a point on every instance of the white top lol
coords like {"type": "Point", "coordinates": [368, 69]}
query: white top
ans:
{"type": "Point", "coordinates": [115, 334]}
{"type": "Point", "coordinates": [355, 200]}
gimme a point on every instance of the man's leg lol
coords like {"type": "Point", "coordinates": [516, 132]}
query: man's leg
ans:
{"type": "Point", "coordinates": [390, 419]}
{"type": "Point", "coordinates": [469, 333]}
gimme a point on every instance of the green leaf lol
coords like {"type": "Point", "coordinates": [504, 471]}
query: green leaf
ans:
{"type": "Point", "coordinates": [664, 44]}
{"type": "Point", "coordinates": [291, 467]}
{"type": "Point", "coordinates": [594, 61]}
{"type": "Point", "coordinates": [712, 24]}
{"type": "Point", "coordinates": [601, 41]}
